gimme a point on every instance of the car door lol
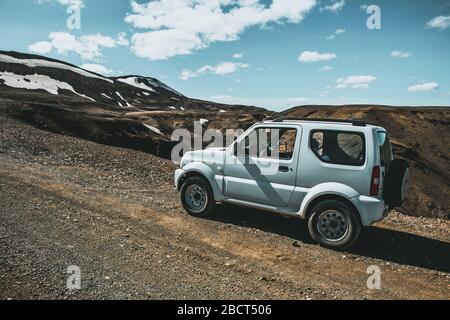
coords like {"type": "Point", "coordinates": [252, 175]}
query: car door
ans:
{"type": "Point", "coordinates": [267, 173]}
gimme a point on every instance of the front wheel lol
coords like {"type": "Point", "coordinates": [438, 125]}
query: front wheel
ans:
{"type": "Point", "coordinates": [334, 224]}
{"type": "Point", "coordinates": [197, 197]}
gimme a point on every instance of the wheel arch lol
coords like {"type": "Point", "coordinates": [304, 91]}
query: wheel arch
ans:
{"type": "Point", "coordinates": [330, 196]}
{"type": "Point", "coordinates": [203, 171]}
{"type": "Point", "coordinates": [187, 175]}
{"type": "Point", "coordinates": [325, 191]}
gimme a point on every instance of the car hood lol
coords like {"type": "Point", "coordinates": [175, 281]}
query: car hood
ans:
{"type": "Point", "coordinates": [210, 156]}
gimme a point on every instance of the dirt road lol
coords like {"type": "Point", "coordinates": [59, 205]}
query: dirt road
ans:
{"type": "Point", "coordinates": [113, 213]}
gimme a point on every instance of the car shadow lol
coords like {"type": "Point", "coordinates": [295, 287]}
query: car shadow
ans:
{"type": "Point", "coordinates": [375, 242]}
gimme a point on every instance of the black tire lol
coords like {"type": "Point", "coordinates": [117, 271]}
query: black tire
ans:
{"type": "Point", "coordinates": [396, 182]}
{"type": "Point", "coordinates": [191, 185]}
{"type": "Point", "coordinates": [326, 229]}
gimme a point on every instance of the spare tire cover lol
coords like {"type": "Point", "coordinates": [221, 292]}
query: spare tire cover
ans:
{"type": "Point", "coordinates": [395, 185]}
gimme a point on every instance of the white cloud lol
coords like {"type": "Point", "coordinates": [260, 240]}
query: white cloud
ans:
{"type": "Point", "coordinates": [88, 47]}
{"type": "Point", "coordinates": [337, 32]}
{"type": "Point", "coordinates": [222, 97]}
{"type": "Point", "coordinates": [97, 68]}
{"type": "Point", "coordinates": [400, 54]}
{"type": "Point", "coordinates": [314, 56]}
{"type": "Point", "coordinates": [69, 3]}
{"type": "Point", "coordinates": [363, 7]}
{"type": "Point", "coordinates": [41, 47]}
{"type": "Point", "coordinates": [238, 56]}
{"type": "Point", "coordinates": [220, 69]}
{"type": "Point", "coordinates": [439, 22]}
{"type": "Point", "coordinates": [335, 7]}
{"type": "Point", "coordinates": [325, 68]}
{"type": "Point", "coordinates": [298, 100]}
{"type": "Point", "coordinates": [122, 39]}
{"type": "Point", "coordinates": [424, 87]}
{"type": "Point", "coordinates": [177, 27]}
{"type": "Point", "coordinates": [72, 3]}
{"type": "Point", "coordinates": [355, 82]}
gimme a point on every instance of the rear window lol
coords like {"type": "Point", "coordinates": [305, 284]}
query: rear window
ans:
{"type": "Point", "coordinates": [339, 147]}
{"type": "Point", "coordinates": [385, 148]}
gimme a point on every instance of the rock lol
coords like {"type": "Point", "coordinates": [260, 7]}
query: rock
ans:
{"type": "Point", "coordinates": [296, 244]}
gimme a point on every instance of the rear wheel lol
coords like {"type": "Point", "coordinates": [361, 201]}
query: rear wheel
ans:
{"type": "Point", "coordinates": [197, 197]}
{"type": "Point", "coordinates": [334, 224]}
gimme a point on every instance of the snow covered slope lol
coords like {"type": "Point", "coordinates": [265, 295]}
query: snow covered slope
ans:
{"type": "Point", "coordinates": [39, 79]}
{"type": "Point", "coordinates": [38, 74]}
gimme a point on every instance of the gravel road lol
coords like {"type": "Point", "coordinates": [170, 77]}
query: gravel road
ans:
{"type": "Point", "coordinates": [113, 213]}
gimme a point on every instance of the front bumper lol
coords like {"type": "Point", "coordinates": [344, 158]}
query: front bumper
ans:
{"type": "Point", "coordinates": [370, 209]}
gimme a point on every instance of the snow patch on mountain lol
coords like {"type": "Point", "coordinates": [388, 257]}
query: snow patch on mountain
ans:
{"type": "Point", "coordinates": [120, 96]}
{"type": "Point", "coordinates": [37, 82]}
{"type": "Point", "coordinates": [156, 130]}
{"type": "Point", "coordinates": [134, 81]}
{"type": "Point", "coordinates": [33, 63]}
{"type": "Point", "coordinates": [106, 96]}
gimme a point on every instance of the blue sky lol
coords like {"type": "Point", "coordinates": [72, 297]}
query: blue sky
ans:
{"type": "Point", "coordinates": [274, 54]}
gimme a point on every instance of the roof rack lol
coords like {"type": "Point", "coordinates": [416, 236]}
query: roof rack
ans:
{"type": "Point", "coordinates": [354, 122]}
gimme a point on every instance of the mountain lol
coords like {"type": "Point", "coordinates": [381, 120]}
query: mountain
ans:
{"type": "Point", "coordinates": [133, 111]}
{"type": "Point", "coordinates": [141, 113]}
{"type": "Point", "coordinates": [69, 84]}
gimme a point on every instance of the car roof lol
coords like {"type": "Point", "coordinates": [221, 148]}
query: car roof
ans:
{"type": "Point", "coordinates": [322, 122]}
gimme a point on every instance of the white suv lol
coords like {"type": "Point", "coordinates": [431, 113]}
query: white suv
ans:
{"type": "Point", "coordinates": [338, 175]}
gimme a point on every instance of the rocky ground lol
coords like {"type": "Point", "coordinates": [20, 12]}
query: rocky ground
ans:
{"type": "Point", "coordinates": [113, 213]}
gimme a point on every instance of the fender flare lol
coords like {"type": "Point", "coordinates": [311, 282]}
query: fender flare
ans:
{"type": "Point", "coordinates": [205, 171]}
{"type": "Point", "coordinates": [323, 189]}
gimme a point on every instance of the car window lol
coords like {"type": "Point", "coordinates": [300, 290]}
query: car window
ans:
{"type": "Point", "coordinates": [276, 143]}
{"type": "Point", "coordinates": [385, 147]}
{"type": "Point", "coordinates": [339, 147]}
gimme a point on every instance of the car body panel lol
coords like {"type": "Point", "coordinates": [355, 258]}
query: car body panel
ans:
{"type": "Point", "coordinates": [291, 193]}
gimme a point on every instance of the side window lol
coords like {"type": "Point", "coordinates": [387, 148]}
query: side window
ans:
{"type": "Point", "coordinates": [339, 147]}
{"type": "Point", "coordinates": [276, 143]}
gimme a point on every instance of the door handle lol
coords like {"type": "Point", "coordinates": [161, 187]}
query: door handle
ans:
{"type": "Point", "coordinates": [283, 169]}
